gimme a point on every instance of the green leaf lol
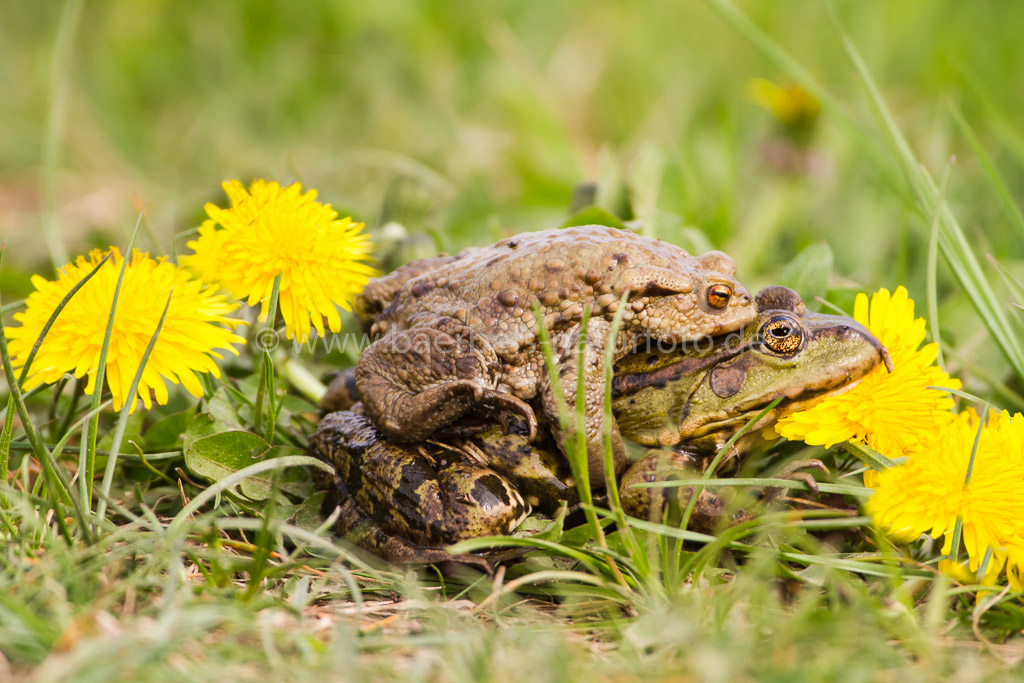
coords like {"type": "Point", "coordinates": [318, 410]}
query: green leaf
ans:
{"type": "Point", "coordinates": [132, 432]}
{"type": "Point", "coordinates": [808, 273]}
{"type": "Point", "coordinates": [222, 454]}
{"type": "Point", "coordinates": [223, 410]}
{"type": "Point", "coordinates": [593, 215]}
{"type": "Point", "coordinates": [167, 433]}
{"type": "Point", "coordinates": [305, 515]}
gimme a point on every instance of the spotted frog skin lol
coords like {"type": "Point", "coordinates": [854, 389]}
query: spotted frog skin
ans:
{"type": "Point", "coordinates": [406, 502]}
{"type": "Point", "coordinates": [457, 335]}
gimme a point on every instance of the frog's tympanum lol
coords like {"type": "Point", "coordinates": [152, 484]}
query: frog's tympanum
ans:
{"type": "Point", "coordinates": [406, 502]}
{"type": "Point", "coordinates": [458, 335]}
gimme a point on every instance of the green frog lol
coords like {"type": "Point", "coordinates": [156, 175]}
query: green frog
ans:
{"type": "Point", "coordinates": [406, 502]}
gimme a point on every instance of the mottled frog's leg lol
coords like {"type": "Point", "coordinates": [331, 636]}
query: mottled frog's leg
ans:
{"type": "Point", "coordinates": [401, 501]}
{"type": "Point", "coordinates": [415, 381]}
{"type": "Point", "coordinates": [342, 392]}
{"type": "Point", "coordinates": [566, 356]}
{"type": "Point", "coordinates": [709, 512]}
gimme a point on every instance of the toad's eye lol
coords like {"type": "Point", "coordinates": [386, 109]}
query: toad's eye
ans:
{"type": "Point", "coordinates": [719, 295]}
{"type": "Point", "coordinates": [782, 335]}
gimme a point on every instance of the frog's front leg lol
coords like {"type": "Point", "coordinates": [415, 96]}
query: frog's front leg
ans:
{"type": "Point", "coordinates": [405, 502]}
{"type": "Point", "coordinates": [567, 359]}
{"type": "Point", "coordinates": [710, 510]}
{"type": "Point", "coordinates": [418, 380]}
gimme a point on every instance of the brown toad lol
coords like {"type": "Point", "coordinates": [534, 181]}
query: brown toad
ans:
{"type": "Point", "coordinates": [457, 334]}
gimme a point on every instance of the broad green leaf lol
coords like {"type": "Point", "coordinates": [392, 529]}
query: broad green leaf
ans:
{"type": "Point", "coordinates": [593, 215]}
{"type": "Point", "coordinates": [216, 456]}
{"type": "Point", "coordinates": [220, 455]}
{"type": "Point", "coordinates": [222, 409]}
{"type": "Point", "coordinates": [132, 432]}
{"type": "Point", "coordinates": [808, 273]}
{"type": "Point", "coordinates": [305, 515]}
{"type": "Point", "coordinates": [166, 433]}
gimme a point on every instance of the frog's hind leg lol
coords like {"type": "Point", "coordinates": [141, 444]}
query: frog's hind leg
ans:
{"type": "Point", "coordinates": [710, 511]}
{"type": "Point", "coordinates": [406, 503]}
{"type": "Point", "coordinates": [416, 381]}
{"type": "Point", "coordinates": [567, 361]}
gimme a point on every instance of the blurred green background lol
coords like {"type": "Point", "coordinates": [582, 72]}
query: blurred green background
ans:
{"type": "Point", "coordinates": [443, 124]}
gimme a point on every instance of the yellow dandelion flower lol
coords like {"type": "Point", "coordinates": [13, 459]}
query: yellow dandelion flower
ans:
{"type": "Point", "coordinates": [790, 104]}
{"type": "Point", "coordinates": [893, 413]}
{"type": "Point", "coordinates": [1015, 561]}
{"type": "Point", "coordinates": [193, 328]}
{"type": "Point", "coordinates": [931, 490]}
{"type": "Point", "coordinates": [271, 231]}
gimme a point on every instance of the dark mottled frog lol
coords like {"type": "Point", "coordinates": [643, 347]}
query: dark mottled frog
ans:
{"type": "Point", "coordinates": [406, 502]}
{"type": "Point", "coordinates": [457, 335]}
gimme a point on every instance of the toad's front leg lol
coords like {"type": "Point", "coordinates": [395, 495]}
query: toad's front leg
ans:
{"type": "Point", "coordinates": [566, 355]}
{"type": "Point", "coordinates": [415, 381]}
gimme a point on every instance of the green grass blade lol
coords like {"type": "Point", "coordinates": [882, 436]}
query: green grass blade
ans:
{"type": "Point", "coordinates": [710, 471]}
{"type": "Point", "coordinates": [221, 485]}
{"type": "Point", "coordinates": [263, 424]}
{"type": "Point", "coordinates": [933, 251]}
{"type": "Point", "coordinates": [824, 487]}
{"type": "Point", "coordinates": [61, 66]}
{"type": "Point", "coordinates": [952, 241]}
{"type": "Point", "coordinates": [869, 456]}
{"type": "Point", "coordinates": [56, 488]}
{"type": "Point", "coordinates": [633, 549]}
{"type": "Point", "coordinates": [991, 172]}
{"type": "Point", "coordinates": [87, 450]}
{"type": "Point", "coordinates": [5, 445]}
{"type": "Point", "coordinates": [122, 420]}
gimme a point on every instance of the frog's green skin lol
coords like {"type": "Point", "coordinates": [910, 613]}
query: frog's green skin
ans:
{"type": "Point", "coordinates": [407, 502]}
{"type": "Point", "coordinates": [459, 335]}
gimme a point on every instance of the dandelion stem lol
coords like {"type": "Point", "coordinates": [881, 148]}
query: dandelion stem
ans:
{"type": "Point", "coordinates": [265, 389]}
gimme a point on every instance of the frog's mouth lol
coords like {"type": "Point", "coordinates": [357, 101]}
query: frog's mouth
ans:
{"type": "Point", "coordinates": [728, 426]}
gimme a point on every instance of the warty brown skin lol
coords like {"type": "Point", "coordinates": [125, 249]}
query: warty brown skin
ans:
{"type": "Point", "coordinates": [457, 335]}
{"type": "Point", "coordinates": [691, 403]}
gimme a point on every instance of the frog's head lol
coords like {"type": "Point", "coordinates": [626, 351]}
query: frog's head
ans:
{"type": "Point", "coordinates": [700, 398]}
{"type": "Point", "coordinates": [683, 304]}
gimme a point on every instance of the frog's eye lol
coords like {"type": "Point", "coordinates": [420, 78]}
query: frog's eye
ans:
{"type": "Point", "coordinates": [719, 295]}
{"type": "Point", "coordinates": [782, 335]}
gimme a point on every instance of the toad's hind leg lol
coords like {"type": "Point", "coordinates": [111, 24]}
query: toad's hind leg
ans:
{"type": "Point", "coordinates": [406, 503]}
{"type": "Point", "coordinates": [416, 381]}
{"type": "Point", "coordinates": [567, 361]}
